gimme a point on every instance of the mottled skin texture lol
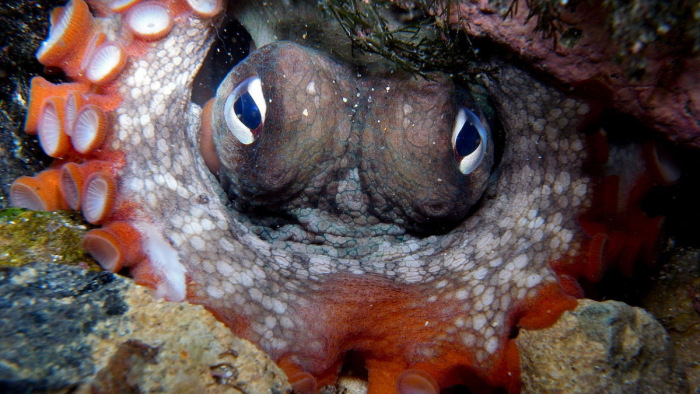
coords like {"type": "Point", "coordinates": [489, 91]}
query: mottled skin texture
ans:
{"type": "Point", "coordinates": [301, 302]}
{"type": "Point", "coordinates": [366, 151]}
{"type": "Point", "coordinates": [445, 303]}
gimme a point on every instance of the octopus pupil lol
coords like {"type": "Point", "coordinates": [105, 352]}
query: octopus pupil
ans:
{"type": "Point", "coordinates": [247, 111]}
{"type": "Point", "coordinates": [467, 140]}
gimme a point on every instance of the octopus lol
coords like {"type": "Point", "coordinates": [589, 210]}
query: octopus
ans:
{"type": "Point", "coordinates": [325, 213]}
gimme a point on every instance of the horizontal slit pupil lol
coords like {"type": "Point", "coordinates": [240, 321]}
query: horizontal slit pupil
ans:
{"type": "Point", "coordinates": [247, 111]}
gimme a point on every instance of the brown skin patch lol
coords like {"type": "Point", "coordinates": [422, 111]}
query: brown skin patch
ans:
{"type": "Point", "coordinates": [324, 122]}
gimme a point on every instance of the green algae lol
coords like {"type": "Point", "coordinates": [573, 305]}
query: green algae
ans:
{"type": "Point", "coordinates": [49, 237]}
{"type": "Point", "coordinates": [422, 43]}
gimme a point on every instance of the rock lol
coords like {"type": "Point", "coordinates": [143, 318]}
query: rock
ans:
{"type": "Point", "coordinates": [66, 328]}
{"type": "Point", "coordinates": [347, 385]}
{"type": "Point", "coordinates": [30, 236]}
{"type": "Point", "coordinates": [674, 300]}
{"type": "Point", "coordinates": [600, 347]}
{"type": "Point", "coordinates": [658, 83]}
{"type": "Point", "coordinates": [24, 27]}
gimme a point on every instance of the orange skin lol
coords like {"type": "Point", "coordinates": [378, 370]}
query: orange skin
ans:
{"type": "Point", "coordinates": [379, 247]}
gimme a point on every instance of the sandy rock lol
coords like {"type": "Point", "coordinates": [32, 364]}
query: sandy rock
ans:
{"type": "Point", "coordinates": [600, 347]}
{"type": "Point", "coordinates": [65, 328]}
{"type": "Point", "coordinates": [69, 329]}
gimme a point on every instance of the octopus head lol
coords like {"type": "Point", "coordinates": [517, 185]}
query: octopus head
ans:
{"type": "Point", "coordinates": [298, 133]}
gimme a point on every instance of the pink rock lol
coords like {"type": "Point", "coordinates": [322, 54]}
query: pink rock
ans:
{"type": "Point", "coordinates": [666, 98]}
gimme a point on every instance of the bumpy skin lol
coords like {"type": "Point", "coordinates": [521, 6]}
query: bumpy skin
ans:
{"type": "Point", "coordinates": [365, 150]}
{"type": "Point", "coordinates": [446, 304]}
{"type": "Point", "coordinates": [426, 296]}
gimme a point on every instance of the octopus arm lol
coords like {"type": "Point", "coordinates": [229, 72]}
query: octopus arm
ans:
{"type": "Point", "coordinates": [427, 313]}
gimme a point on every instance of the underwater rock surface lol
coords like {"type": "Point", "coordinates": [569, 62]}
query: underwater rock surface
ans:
{"type": "Point", "coordinates": [674, 300]}
{"type": "Point", "coordinates": [66, 328]}
{"type": "Point", "coordinates": [600, 347]}
{"type": "Point", "coordinates": [653, 76]}
{"type": "Point", "coordinates": [29, 236]}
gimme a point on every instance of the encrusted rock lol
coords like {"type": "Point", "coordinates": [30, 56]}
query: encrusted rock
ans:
{"type": "Point", "coordinates": [663, 93]}
{"type": "Point", "coordinates": [674, 300]}
{"type": "Point", "coordinates": [600, 347]}
{"type": "Point", "coordinates": [30, 236]}
{"type": "Point", "coordinates": [66, 328]}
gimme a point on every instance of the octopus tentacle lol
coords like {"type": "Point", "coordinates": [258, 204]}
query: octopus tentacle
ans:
{"type": "Point", "coordinates": [86, 121]}
{"type": "Point", "coordinates": [424, 311]}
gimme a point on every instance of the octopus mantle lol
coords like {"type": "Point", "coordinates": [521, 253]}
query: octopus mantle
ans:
{"type": "Point", "coordinates": [427, 312]}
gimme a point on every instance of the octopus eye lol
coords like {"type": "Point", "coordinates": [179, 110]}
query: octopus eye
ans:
{"type": "Point", "coordinates": [469, 140]}
{"type": "Point", "coordinates": [244, 110]}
